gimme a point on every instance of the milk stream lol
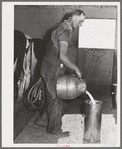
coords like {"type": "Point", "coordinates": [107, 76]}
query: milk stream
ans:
{"type": "Point", "coordinates": [91, 97]}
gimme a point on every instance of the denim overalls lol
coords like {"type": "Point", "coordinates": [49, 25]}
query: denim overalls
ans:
{"type": "Point", "coordinates": [50, 70]}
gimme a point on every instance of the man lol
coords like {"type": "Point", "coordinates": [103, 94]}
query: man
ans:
{"type": "Point", "coordinates": [53, 65]}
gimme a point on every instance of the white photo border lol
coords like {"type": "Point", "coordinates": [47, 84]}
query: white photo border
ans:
{"type": "Point", "coordinates": [7, 71]}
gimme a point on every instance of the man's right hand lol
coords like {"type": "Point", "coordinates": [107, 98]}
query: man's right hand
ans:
{"type": "Point", "coordinates": [78, 73]}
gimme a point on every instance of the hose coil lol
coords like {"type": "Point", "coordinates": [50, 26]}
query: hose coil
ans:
{"type": "Point", "coordinates": [36, 95]}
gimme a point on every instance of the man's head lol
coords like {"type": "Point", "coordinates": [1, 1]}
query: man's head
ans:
{"type": "Point", "coordinates": [78, 16]}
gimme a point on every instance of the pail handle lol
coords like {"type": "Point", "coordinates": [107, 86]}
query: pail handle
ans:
{"type": "Point", "coordinates": [75, 75]}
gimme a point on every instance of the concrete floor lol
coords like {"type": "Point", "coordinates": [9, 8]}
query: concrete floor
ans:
{"type": "Point", "coordinates": [74, 123]}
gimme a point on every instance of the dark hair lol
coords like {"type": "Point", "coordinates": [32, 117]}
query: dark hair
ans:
{"type": "Point", "coordinates": [78, 12]}
{"type": "Point", "coordinates": [70, 14]}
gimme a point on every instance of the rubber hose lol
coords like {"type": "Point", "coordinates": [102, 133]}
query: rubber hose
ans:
{"type": "Point", "coordinates": [35, 89]}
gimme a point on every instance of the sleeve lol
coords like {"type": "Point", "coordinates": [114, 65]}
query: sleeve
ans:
{"type": "Point", "coordinates": [64, 37]}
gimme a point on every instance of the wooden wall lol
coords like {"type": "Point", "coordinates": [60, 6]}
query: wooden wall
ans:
{"type": "Point", "coordinates": [97, 67]}
{"type": "Point", "coordinates": [36, 20]}
{"type": "Point", "coordinates": [96, 64]}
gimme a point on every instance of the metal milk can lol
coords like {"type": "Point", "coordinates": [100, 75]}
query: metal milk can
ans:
{"type": "Point", "coordinates": [92, 121]}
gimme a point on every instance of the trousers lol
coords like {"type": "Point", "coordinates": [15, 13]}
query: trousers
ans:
{"type": "Point", "coordinates": [53, 112]}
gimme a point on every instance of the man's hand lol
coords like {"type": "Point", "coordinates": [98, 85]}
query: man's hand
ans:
{"type": "Point", "coordinates": [78, 73]}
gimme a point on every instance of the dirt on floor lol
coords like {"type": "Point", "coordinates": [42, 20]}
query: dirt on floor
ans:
{"type": "Point", "coordinates": [74, 123]}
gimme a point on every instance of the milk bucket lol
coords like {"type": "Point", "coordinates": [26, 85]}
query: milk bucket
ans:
{"type": "Point", "coordinates": [92, 121]}
{"type": "Point", "coordinates": [114, 98]}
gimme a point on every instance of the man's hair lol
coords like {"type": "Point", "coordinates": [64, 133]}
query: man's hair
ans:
{"type": "Point", "coordinates": [77, 12]}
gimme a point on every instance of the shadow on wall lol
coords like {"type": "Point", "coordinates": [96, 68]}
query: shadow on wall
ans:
{"type": "Point", "coordinates": [39, 49]}
{"type": "Point", "coordinates": [47, 36]}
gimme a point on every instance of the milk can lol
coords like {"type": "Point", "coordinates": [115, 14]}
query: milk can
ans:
{"type": "Point", "coordinates": [114, 94]}
{"type": "Point", "coordinates": [69, 86]}
{"type": "Point", "coordinates": [92, 121]}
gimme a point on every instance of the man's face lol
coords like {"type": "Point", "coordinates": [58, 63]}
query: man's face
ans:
{"type": "Point", "coordinates": [77, 20]}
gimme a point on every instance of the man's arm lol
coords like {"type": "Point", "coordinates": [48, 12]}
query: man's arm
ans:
{"type": "Point", "coordinates": [65, 60]}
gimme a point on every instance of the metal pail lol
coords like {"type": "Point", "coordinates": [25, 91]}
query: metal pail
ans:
{"type": "Point", "coordinates": [70, 87]}
{"type": "Point", "coordinates": [92, 122]}
{"type": "Point", "coordinates": [114, 98]}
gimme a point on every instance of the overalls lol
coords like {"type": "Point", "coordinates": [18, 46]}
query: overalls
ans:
{"type": "Point", "coordinates": [50, 70]}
